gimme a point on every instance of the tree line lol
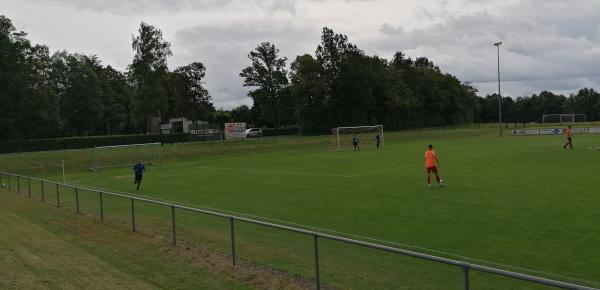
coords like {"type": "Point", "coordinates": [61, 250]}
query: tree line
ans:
{"type": "Point", "coordinates": [343, 86]}
{"type": "Point", "coordinates": [71, 94]}
{"type": "Point", "coordinates": [532, 108]}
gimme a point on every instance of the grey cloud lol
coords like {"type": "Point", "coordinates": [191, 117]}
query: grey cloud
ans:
{"type": "Point", "coordinates": [547, 45]}
{"type": "Point", "coordinates": [388, 29]}
{"type": "Point", "coordinates": [146, 6]}
{"type": "Point", "coordinates": [551, 45]}
{"type": "Point", "coordinates": [224, 48]}
{"type": "Point", "coordinates": [137, 6]}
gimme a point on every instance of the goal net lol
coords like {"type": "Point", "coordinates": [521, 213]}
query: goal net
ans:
{"type": "Point", "coordinates": [366, 135]}
{"type": "Point", "coordinates": [124, 155]}
{"type": "Point", "coordinates": [564, 118]}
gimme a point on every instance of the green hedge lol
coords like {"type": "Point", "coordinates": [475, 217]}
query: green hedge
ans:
{"type": "Point", "coordinates": [14, 146]}
{"type": "Point", "coordinates": [280, 131]}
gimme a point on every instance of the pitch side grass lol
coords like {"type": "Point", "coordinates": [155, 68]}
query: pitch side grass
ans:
{"type": "Point", "coordinates": [518, 203]}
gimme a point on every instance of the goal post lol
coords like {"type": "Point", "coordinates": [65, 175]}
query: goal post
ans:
{"type": "Point", "coordinates": [564, 118]}
{"type": "Point", "coordinates": [124, 155]}
{"type": "Point", "coordinates": [366, 135]}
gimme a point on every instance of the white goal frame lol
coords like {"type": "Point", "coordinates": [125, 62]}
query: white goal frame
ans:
{"type": "Point", "coordinates": [571, 118]}
{"type": "Point", "coordinates": [338, 129]}
{"type": "Point", "coordinates": [94, 160]}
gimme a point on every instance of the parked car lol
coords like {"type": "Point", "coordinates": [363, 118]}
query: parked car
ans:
{"type": "Point", "coordinates": [253, 132]}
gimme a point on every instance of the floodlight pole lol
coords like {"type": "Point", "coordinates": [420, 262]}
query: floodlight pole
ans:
{"type": "Point", "coordinates": [497, 45]}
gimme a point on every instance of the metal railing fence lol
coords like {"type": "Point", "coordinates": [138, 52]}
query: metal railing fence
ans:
{"type": "Point", "coordinates": [465, 266]}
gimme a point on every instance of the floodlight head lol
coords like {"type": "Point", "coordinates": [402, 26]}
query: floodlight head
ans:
{"type": "Point", "coordinates": [498, 43]}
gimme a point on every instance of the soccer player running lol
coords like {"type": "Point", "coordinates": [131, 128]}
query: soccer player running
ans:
{"type": "Point", "coordinates": [569, 133]}
{"type": "Point", "coordinates": [432, 165]}
{"type": "Point", "coordinates": [139, 169]}
{"type": "Point", "coordinates": [355, 142]}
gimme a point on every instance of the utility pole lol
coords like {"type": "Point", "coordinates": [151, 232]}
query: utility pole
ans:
{"type": "Point", "coordinates": [497, 45]}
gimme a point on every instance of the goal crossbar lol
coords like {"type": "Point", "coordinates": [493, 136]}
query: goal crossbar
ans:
{"type": "Point", "coordinates": [375, 129]}
{"type": "Point", "coordinates": [148, 160]}
{"type": "Point", "coordinates": [128, 145]}
{"type": "Point", "coordinates": [564, 118]}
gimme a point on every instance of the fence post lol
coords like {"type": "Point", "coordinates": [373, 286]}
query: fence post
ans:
{"type": "Point", "coordinates": [233, 258]}
{"type": "Point", "coordinates": [43, 196]}
{"type": "Point", "coordinates": [317, 270]}
{"type": "Point", "coordinates": [29, 187]}
{"type": "Point", "coordinates": [77, 199]}
{"type": "Point", "coordinates": [18, 184]}
{"type": "Point", "coordinates": [466, 277]}
{"type": "Point", "coordinates": [173, 226]}
{"type": "Point", "coordinates": [57, 196]}
{"type": "Point", "coordinates": [101, 208]}
{"type": "Point", "coordinates": [132, 216]}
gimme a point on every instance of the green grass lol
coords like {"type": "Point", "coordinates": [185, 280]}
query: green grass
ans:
{"type": "Point", "coordinates": [517, 203]}
{"type": "Point", "coordinates": [42, 248]}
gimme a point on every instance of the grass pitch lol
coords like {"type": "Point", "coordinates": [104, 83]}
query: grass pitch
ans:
{"type": "Point", "coordinates": [42, 248]}
{"type": "Point", "coordinates": [517, 203]}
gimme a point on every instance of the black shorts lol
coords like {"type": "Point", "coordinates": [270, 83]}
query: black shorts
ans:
{"type": "Point", "coordinates": [138, 178]}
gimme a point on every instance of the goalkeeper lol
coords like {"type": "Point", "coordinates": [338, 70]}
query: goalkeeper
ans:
{"type": "Point", "coordinates": [139, 169]}
{"type": "Point", "coordinates": [355, 142]}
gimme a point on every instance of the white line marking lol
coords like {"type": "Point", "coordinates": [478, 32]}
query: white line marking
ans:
{"type": "Point", "coordinates": [381, 170]}
{"type": "Point", "coordinates": [275, 171]}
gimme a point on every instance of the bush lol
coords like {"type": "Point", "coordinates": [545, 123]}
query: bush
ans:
{"type": "Point", "coordinates": [14, 146]}
{"type": "Point", "coordinates": [280, 131]}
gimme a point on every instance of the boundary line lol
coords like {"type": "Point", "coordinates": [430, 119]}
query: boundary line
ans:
{"type": "Point", "coordinates": [275, 172]}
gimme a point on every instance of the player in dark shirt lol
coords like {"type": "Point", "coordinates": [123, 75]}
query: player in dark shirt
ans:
{"type": "Point", "coordinates": [355, 143]}
{"type": "Point", "coordinates": [139, 169]}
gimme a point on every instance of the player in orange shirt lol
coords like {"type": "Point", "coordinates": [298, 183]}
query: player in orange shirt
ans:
{"type": "Point", "coordinates": [432, 165]}
{"type": "Point", "coordinates": [569, 133]}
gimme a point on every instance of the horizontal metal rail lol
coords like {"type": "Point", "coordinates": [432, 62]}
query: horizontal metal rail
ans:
{"type": "Point", "coordinates": [318, 235]}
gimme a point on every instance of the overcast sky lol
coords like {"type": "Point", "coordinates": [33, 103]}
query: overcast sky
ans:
{"type": "Point", "coordinates": [548, 44]}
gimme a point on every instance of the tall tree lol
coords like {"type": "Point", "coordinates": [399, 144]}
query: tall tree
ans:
{"type": "Point", "coordinates": [242, 113]}
{"type": "Point", "coordinates": [586, 101]}
{"type": "Point", "coordinates": [334, 48]}
{"type": "Point", "coordinates": [353, 101]}
{"type": "Point", "coordinates": [149, 75]}
{"type": "Point", "coordinates": [188, 96]}
{"type": "Point", "coordinates": [81, 103]}
{"type": "Point", "coordinates": [29, 106]}
{"type": "Point", "coordinates": [307, 93]}
{"type": "Point", "coordinates": [116, 100]}
{"type": "Point", "coordinates": [267, 74]}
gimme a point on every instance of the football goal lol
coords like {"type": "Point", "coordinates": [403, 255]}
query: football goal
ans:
{"type": "Point", "coordinates": [563, 118]}
{"type": "Point", "coordinates": [366, 135]}
{"type": "Point", "coordinates": [124, 155]}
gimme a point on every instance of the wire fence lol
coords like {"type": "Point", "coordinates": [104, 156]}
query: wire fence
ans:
{"type": "Point", "coordinates": [22, 184]}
